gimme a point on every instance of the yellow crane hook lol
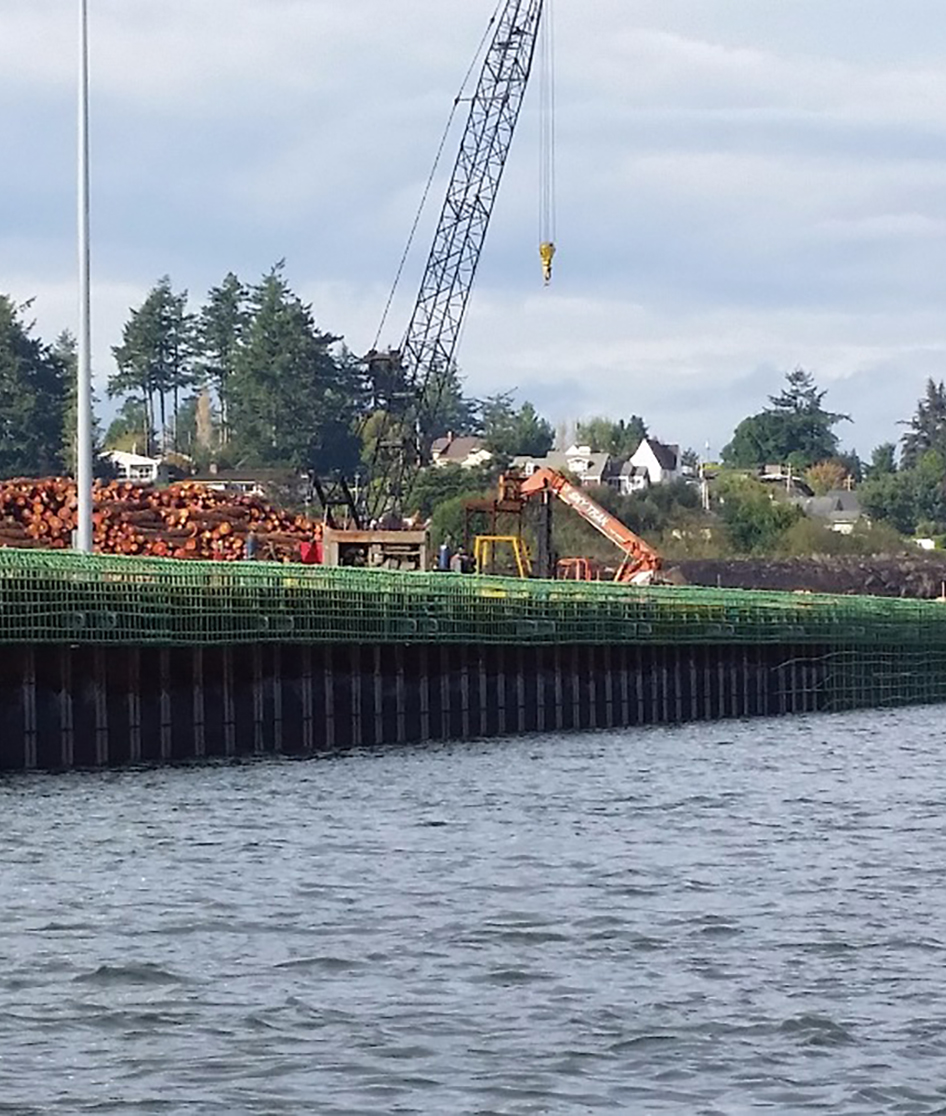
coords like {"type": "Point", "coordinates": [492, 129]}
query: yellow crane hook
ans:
{"type": "Point", "coordinates": [547, 254]}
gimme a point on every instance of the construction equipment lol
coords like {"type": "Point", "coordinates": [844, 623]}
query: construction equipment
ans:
{"type": "Point", "coordinates": [578, 569]}
{"type": "Point", "coordinates": [502, 516]}
{"type": "Point", "coordinates": [406, 385]}
{"type": "Point", "coordinates": [376, 549]}
{"type": "Point", "coordinates": [484, 553]}
{"type": "Point", "coordinates": [641, 562]}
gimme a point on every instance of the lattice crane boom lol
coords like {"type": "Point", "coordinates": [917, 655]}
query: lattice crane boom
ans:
{"type": "Point", "coordinates": [431, 337]}
{"type": "Point", "coordinates": [408, 384]}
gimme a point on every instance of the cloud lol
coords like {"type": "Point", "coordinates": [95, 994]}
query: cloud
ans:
{"type": "Point", "coordinates": [742, 187]}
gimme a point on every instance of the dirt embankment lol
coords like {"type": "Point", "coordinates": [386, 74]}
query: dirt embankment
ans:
{"type": "Point", "coordinates": [894, 576]}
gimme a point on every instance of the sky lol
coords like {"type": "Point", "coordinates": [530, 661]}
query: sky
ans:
{"type": "Point", "coordinates": [742, 187]}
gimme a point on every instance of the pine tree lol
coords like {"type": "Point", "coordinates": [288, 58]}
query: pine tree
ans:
{"type": "Point", "coordinates": [795, 429]}
{"type": "Point", "coordinates": [155, 359]}
{"type": "Point", "coordinates": [222, 325]}
{"type": "Point", "coordinates": [290, 401]}
{"type": "Point", "coordinates": [64, 349]}
{"type": "Point", "coordinates": [927, 427]}
{"type": "Point", "coordinates": [33, 388]}
{"type": "Point", "coordinates": [508, 431]}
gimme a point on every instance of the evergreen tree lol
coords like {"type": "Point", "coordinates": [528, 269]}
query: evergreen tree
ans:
{"type": "Point", "coordinates": [130, 430]}
{"type": "Point", "coordinates": [290, 402]}
{"type": "Point", "coordinates": [222, 328]}
{"type": "Point", "coordinates": [155, 358]}
{"type": "Point", "coordinates": [795, 429]}
{"type": "Point", "coordinates": [510, 432]}
{"type": "Point", "coordinates": [33, 390]}
{"type": "Point", "coordinates": [64, 349]}
{"type": "Point", "coordinates": [927, 427]}
{"type": "Point", "coordinates": [446, 409]}
{"type": "Point", "coordinates": [883, 460]}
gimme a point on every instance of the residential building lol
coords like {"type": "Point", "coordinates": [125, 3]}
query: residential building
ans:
{"type": "Point", "coordinates": [783, 476]}
{"type": "Point", "coordinates": [632, 478]}
{"type": "Point", "coordinates": [280, 486]}
{"type": "Point", "coordinates": [839, 509]}
{"type": "Point", "coordinates": [135, 467]}
{"type": "Point", "coordinates": [661, 462]}
{"type": "Point", "coordinates": [589, 468]}
{"type": "Point", "coordinates": [464, 450]}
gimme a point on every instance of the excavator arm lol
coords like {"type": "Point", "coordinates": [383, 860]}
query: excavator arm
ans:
{"type": "Point", "coordinates": [639, 556]}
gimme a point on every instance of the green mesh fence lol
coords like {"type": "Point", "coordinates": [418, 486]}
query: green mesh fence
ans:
{"type": "Point", "coordinates": [62, 597]}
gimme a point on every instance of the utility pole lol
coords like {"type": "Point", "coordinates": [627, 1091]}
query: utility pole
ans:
{"type": "Point", "coordinates": [83, 534]}
{"type": "Point", "coordinates": [704, 480]}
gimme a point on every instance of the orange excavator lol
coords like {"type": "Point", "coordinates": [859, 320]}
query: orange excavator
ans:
{"type": "Point", "coordinates": [641, 562]}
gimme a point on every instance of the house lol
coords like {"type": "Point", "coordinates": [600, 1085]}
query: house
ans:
{"type": "Point", "coordinates": [661, 462]}
{"type": "Point", "coordinates": [632, 478]}
{"type": "Point", "coordinates": [464, 450]}
{"type": "Point", "coordinates": [783, 476]}
{"type": "Point", "coordinates": [135, 467]}
{"type": "Point", "coordinates": [280, 486]}
{"type": "Point", "coordinates": [839, 509]}
{"type": "Point", "coordinates": [589, 468]}
{"type": "Point", "coordinates": [240, 483]}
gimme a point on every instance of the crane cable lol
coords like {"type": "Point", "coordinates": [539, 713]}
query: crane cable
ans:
{"type": "Point", "coordinates": [547, 143]}
{"type": "Point", "coordinates": [433, 170]}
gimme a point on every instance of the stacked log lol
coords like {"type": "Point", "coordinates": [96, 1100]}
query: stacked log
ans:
{"type": "Point", "coordinates": [185, 520]}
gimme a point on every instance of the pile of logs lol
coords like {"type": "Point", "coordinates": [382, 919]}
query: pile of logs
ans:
{"type": "Point", "coordinates": [186, 520]}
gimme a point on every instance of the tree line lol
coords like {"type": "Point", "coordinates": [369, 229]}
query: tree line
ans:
{"type": "Point", "coordinates": [248, 379]}
{"type": "Point", "coordinates": [902, 485]}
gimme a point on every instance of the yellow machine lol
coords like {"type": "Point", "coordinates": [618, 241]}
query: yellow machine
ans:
{"type": "Point", "coordinates": [484, 553]}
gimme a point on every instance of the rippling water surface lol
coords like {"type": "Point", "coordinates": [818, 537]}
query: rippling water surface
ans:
{"type": "Point", "coordinates": [721, 918]}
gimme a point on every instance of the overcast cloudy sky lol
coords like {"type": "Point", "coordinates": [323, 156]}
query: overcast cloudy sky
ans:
{"type": "Point", "coordinates": [743, 186]}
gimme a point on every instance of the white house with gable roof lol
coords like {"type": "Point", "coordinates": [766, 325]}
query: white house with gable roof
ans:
{"type": "Point", "coordinates": [660, 462]}
{"type": "Point", "coordinates": [135, 467]}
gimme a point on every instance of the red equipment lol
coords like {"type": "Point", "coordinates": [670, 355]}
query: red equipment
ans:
{"type": "Point", "coordinates": [641, 561]}
{"type": "Point", "coordinates": [577, 569]}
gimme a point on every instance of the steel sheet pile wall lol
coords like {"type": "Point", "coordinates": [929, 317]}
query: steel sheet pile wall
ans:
{"type": "Point", "coordinates": [111, 659]}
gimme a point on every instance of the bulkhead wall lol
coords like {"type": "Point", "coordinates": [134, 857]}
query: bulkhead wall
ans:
{"type": "Point", "coordinates": [64, 706]}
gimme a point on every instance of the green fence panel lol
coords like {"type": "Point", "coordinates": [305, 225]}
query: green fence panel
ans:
{"type": "Point", "coordinates": [56, 597]}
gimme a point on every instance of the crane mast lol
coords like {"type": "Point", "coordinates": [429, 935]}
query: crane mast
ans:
{"type": "Point", "coordinates": [407, 384]}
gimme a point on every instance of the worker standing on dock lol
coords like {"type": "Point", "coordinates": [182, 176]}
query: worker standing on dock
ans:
{"type": "Point", "coordinates": [445, 555]}
{"type": "Point", "coordinates": [250, 547]}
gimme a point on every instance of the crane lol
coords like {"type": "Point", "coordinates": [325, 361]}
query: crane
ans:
{"type": "Point", "coordinates": [641, 561]}
{"type": "Point", "coordinates": [406, 385]}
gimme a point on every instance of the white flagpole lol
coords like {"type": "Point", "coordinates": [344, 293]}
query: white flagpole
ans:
{"type": "Point", "coordinates": [83, 536]}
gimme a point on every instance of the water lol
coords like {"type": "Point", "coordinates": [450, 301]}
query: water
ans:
{"type": "Point", "coordinates": [722, 918]}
